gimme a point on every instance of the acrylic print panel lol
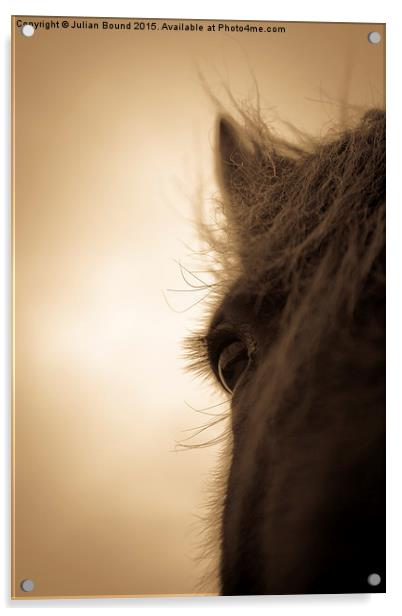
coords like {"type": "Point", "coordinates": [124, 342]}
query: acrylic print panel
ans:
{"type": "Point", "coordinates": [198, 233]}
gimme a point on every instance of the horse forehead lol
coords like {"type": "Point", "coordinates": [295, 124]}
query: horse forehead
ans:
{"type": "Point", "coordinates": [249, 301]}
{"type": "Point", "coordinates": [236, 306]}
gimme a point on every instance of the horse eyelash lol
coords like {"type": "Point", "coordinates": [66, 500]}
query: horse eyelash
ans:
{"type": "Point", "coordinates": [197, 355]}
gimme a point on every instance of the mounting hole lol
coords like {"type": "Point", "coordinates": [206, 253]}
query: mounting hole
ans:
{"type": "Point", "coordinates": [27, 585]}
{"type": "Point", "coordinates": [374, 37]}
{"type": "Point", "coordinates": [374, 579]}
{"type": "Point", "coordinates": [28, 30]}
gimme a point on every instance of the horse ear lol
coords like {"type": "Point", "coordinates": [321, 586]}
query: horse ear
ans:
{"type": "Point", "coordinates": [234, 155]}
{"type": "Point", "coordinates": [240, 159]}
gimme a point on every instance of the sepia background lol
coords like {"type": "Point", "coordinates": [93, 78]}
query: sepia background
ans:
{"type": "Point", "coordinates": [113, 142]}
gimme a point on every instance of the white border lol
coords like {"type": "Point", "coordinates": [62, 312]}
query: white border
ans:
{"type": "Point", "coordinates": [342, 11]}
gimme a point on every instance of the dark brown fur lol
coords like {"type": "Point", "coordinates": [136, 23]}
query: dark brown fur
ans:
{"type": "Point", "coordinates": [300, 244]}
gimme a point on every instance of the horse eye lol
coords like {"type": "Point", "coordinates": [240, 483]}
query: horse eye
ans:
{"type": "Point", "coordinates": [232, 363]}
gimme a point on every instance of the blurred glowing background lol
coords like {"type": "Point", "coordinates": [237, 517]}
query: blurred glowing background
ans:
{"type": "Point", "coordinates": [113, 135]}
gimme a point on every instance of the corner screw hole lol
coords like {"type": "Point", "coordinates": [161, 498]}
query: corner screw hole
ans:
{"type": "Point", "coordinates": [374, 37]}
{"type": "Point", "coordinates": [27, 585]}
{"type": "Point", "coordinates": [28, 30]}
{"type": "Point", "coordinates": [374, 579]}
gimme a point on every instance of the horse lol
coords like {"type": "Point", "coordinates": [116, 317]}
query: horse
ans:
{"type": "Point", "coordinates": [295, 336]}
